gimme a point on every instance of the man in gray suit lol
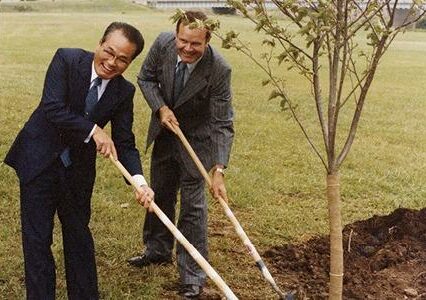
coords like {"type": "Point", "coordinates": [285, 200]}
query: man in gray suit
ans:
{"type": "Point", "coordinates": [203, 110]}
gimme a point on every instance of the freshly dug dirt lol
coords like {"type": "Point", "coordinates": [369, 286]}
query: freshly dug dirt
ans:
{"type": "Point", "coordinates": [384, 258]}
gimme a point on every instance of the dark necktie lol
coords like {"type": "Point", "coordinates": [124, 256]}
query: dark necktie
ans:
{"type": "Point", "coordinates": [179, 80]}
{"type": "Point", "coordinates": [91, 100]}
{"type": "Point", "coordinates": [92, 96]}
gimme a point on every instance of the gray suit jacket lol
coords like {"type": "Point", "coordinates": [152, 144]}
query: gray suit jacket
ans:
{"type": "Point", "coordinates": [204, 108]}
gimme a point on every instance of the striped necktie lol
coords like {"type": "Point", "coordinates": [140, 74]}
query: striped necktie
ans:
{"type": "Point", "coordinates": [179, 80]}
{"type": "Point", "coordinates": [91, 100]}
{"type": "Point", "coordinates": [92, 96]}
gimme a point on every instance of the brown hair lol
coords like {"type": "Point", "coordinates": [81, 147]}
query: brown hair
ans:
{"type": "Point", "coordinates": [191, 16]}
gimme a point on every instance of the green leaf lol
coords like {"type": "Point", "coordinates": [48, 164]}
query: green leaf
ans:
{"type": "Point", "coordinates": [231, 34]}
{"type": "Point", "coordinates": [260, 25]}
{"type": "Point", "coordinates": [282, 57]}
{"type": "Point", "coordinates": [238, 6]}
{"type": "Point", "coordinates": [284, 104]}
{"type": "Point", "coordinates": [303, 12]}
{"type": "Point", "coordinates": [212, 24]}
{"type": "Point", "coordinates": [269, 42]}
{"type": "Point", "coordinates": [305, 29]}
{"type": "Point", "coordinates": [266, 82]}
{"type": "Point", "coordinates": [274, 94]}
{"type": "Point", "coordinates": [226, 44]}
{"type": "Point", "coordinates": [178, 15]}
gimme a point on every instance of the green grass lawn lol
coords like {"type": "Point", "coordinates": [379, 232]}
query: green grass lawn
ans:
{"type": "Point", "coordinates": [275, 182]}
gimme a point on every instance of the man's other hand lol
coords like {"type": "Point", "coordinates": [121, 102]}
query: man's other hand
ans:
{"type": "Point", "coordinates": [104, 144]}
{"type": "Point", "coordinates": [218, 188]}
{"type": "Point", "coordinates": [145, 195]}
{"type": "Point", "coordinates": [167, 118]}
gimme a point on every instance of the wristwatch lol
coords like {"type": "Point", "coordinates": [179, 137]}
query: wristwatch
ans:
{"type": "Point", "coordinates": [220, 170]}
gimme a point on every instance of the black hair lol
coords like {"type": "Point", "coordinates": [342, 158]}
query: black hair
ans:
{"type": "Point", "coordinates": [131, 33]}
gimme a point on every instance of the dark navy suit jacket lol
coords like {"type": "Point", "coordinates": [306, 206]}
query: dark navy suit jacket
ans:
{"type": "Point", "coordinates": [58, 122]}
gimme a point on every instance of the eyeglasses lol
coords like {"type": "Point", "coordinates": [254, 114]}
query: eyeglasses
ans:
{"type": "Point", "coordinates": [121, 61]}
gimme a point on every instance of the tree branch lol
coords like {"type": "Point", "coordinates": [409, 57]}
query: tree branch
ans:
{"type": "Point", "coordinates": [360, 103]}
{"type": "Point", "coordinates": [317, 93]}
{"type": "Point", "coordinates": [333, 77]}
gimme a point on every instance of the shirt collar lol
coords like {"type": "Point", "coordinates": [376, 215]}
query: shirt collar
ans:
{"type": "Point", "coordinates": [94, 75]}
{"type": "Point", "coordinates": [192, 66]}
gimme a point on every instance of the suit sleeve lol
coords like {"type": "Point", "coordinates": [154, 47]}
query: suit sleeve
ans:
{"type": "Point", "coordinates": [54, 98]}
{"type": "Point", "coordinates": [222, 115]}
{"type": "Point", "coordinates": [123, 137]}
{"type": "Point", "coordinates": [148, 77]}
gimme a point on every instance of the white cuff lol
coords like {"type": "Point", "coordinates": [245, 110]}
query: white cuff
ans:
{"type": "Point", "coordinates": [139, 179]}
{"type": "Point", "coordinates": [90, 134]}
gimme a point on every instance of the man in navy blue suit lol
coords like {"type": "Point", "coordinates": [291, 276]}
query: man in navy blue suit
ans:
{"type": "Point", "coordinates": [54, 157]}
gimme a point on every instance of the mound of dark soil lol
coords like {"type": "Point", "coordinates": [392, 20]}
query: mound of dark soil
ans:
{"type": "Point", "coordinates": [384, 258]}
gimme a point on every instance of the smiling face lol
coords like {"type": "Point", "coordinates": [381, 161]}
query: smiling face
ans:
{"type": "Point", "coordinates": [191, 43]}
{"type": "Point", "coordinates": [114, 55]}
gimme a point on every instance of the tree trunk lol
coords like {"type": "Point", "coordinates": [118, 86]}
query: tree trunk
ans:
{"type": "Point", "coordinates": [336, 243]}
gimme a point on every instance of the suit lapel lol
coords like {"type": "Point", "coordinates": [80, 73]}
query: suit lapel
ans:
{"type": "Point", "coordinates": [85, 72]}
{"type": "Point", "coordinates": [85, 69]}
{"type": "Point", "coordinates": [109, 96]}
{"type": "Point", "coordinates": [169, 70]}
{"type": "Point", "coordinates": [197, 80]}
